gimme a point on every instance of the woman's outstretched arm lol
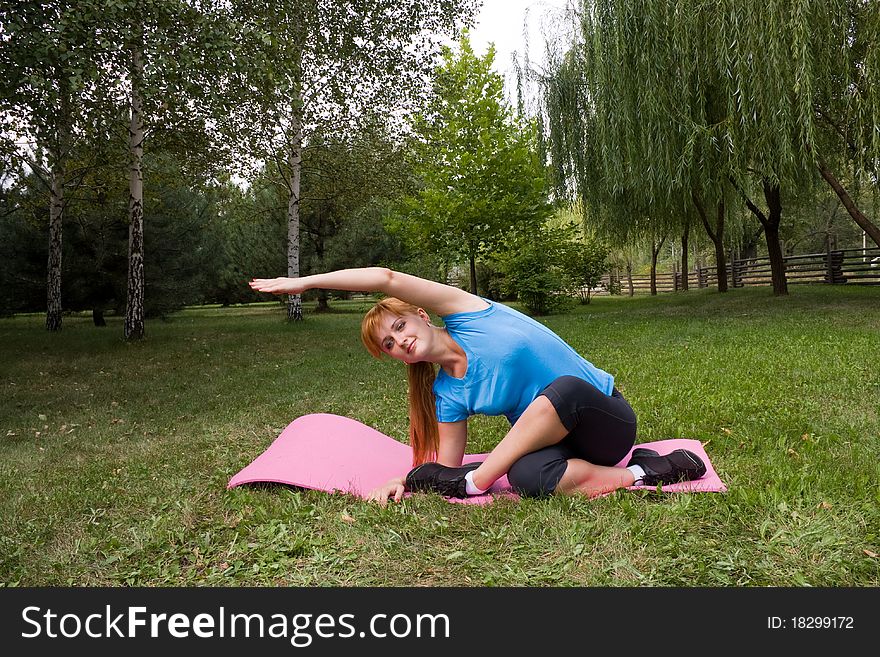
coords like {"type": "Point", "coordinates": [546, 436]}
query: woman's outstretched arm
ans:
{"type": "Point", "coordinates": [437, 297]}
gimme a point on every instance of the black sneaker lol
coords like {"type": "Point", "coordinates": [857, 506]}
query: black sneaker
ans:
{"type": "Point", "coordinates": [678, 465]}
{"type": "Point", "coordinates": [436, 478]}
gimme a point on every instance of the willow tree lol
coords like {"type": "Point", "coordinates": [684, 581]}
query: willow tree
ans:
{"type": "Point", "coordinates": [848, 109]}
{"type": "Point", "coordinates": [320, 67]}
{"type": "Point", "coordinates": [589, 146]}
{"type": "Point", "coordinates": [713, 101]}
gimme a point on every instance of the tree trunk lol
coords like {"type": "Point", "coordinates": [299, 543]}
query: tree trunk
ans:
{"type": "Point", "coordinates": [473, 265]}
{"type": "Point", "coordinates": [629, 277]}
{"type": "Point", "coordinates": [771, 222]}
{"type": "Point", "coordinates": [864, 223]}
{"type": "Point", "coordinates": [294, 161]}
{"type": "Point", "coordinates": [684, 256]}
{"type": "Point", "coordinates": [717, 237]}
{"type": "Point", "coordinates": [323, 302]}
{"type": "Point", "coordinates": [134, 309]}
{"type": "Point", "coordinates": [58, 175]}
{"type": "Point", "coordinates": [771, 231]}
{"type": "Point", "coordinates": [655, 251]}
{"type": "Point", "coordinates": [53, 278]}
{"type": "Point", "coordinates": [748, 248]}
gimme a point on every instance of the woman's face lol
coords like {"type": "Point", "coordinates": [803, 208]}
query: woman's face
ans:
{"type": "Point", "coordinates": [407, 338]}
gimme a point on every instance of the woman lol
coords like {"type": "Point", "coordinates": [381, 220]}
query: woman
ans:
{"type": "Point", "coordinates": [569, 424]}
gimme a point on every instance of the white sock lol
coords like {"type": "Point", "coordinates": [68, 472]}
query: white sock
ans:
{"type": "Point", "coordinates": [638, 473]}
{"type": "Point", "coordinates": [470, 487]}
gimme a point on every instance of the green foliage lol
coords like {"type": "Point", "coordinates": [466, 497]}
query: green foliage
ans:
{"type": "Point", "coordinates": [534, 271]}
{"type": "Point", "coordinates": [249, 235]}
{"type": "Point", "coordinates": [326, 67]}
{"type": "Point", "coordinates": [584, 261]}
{"type": "Point", "coordinates": [23, 209]}
{"type": "Point", "coordinates": [654, 103]}
{"type": "Point", "coordinates": [482, 179]}
{"type": "Point", "coordinates": [183, 249]}
{"type": "Point", "coordinates": [347, 189]}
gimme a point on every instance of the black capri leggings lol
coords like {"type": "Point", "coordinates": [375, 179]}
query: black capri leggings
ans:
{"type": "Point", "coordinates": [601, 430]}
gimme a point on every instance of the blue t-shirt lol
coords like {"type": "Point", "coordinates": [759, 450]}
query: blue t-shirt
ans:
{"type": "Point", "coordinates": [511, 359]}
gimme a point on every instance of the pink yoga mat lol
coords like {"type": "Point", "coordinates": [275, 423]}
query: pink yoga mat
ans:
{"type": "Point", "coordinates": [337, 454]}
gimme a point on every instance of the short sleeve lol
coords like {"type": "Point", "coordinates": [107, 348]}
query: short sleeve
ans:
{"type": "Point", "coordinates": [447, 411]}
{"type": "Point", "coordinates": [455, 320]}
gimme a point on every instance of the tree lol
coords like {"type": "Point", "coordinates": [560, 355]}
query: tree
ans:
{"type": "Point", "coordinates": [586, 261]}
{"type": "Point", "coordinates": [49, 99]}
{"type": "Point", "coordinates": [181, 253]}
{"type": "Point", "coordinates": [170, 58]}
{"type": "Point", "coordinates": [584, 256]}
{"type": "Point", "coordinates": [694, 100]}
{"type": "Point", "coordinates": [481, 175]}
{"type": "Point", "coordinates": [847, 107]}
{"type": "Point", "coordinates": [249, 236]}
{"type": "Point", "coordinates": [348, 186]}
{"type": "Point", "coordinates": [321, 67]}
{"type": "Point", "coordinates": [22, 244]}
{"type": "Point", "coordinates": [533, 267]}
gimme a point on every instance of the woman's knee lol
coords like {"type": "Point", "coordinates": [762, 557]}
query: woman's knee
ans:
{"type": "Point", "coordinates": [534, 476]}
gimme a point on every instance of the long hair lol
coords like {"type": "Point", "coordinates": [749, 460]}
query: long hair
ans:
{"type": "Point", "coordinates": [424, 437]}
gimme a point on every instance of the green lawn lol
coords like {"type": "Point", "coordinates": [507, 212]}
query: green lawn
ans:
{"type": "Point", "coordinates": [115, 456]}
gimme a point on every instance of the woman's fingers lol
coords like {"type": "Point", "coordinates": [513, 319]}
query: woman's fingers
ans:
{"type": "Point", "coordinates": [381, 495]}
{"type": "Point", "coordinates": [272, 285]}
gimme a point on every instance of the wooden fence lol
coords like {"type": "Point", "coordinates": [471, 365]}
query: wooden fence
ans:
{"type": "Point", "coordinates": [848, 266]}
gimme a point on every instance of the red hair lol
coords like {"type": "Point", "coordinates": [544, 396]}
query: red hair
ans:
{"type": "Point", "coordinates": [424, 437]}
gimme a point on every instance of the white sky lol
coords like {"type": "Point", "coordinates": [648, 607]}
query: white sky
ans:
{"type": "Point", "coordinates": [505, 22]}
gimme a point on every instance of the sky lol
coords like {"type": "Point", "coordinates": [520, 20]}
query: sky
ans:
{"type": "Point", "coordinates": [504, 23]}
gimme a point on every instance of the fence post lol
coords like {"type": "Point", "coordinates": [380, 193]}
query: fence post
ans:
{"type": "Point", "coordinates": [834, 268]}
{"type": "Point", "coordinates": [735, 274]}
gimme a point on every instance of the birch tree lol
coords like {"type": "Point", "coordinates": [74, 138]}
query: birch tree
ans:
{"type": "Point", "coordinates": [170, 60]}
{"type": "Point", "coordinates": [48, 102]}
{"type": "Point", "coordinates": [319, 67]}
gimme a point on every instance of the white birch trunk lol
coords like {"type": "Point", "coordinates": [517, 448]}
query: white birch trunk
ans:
{"type": "Point", "coordinates": [58, 175]}
{"type": "Point", "coordinates": [134, 310]}
{"type": "Point", "coordinates": [53, 277]}
{"type": "Point", "coordinates": [294, 162]}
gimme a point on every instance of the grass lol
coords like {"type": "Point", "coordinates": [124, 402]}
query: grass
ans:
{"type": "Point", "coordinates": [115, 456]}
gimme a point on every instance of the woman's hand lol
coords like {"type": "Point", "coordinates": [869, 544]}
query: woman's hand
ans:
{"type": "Point", "coordinates": [394, 489]}
{"type": "Point", "coordinates": [279, 285]}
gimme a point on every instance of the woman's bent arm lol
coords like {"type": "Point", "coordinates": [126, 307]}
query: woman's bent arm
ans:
{"type": "Point", "coordinates": [437, 297]}
{"type": "Point", "coordinates": [453, 441]}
